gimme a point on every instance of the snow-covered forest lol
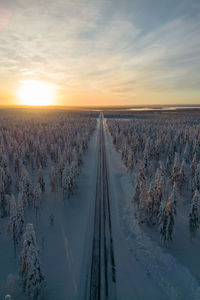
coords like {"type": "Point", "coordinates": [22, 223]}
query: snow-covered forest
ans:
{"type": "Point", "coordinates": [93, 204]}
{"type": "Point", "coordinates": [40, 154]}
{"type": "Point", "coordinates": [162, 155]}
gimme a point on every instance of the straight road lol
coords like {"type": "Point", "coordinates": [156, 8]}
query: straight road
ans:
{"type": "Point", "coordinates": [101, 282]}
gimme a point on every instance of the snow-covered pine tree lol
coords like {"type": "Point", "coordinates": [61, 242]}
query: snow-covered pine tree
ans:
{"type": "Point", "coordinates": [37, 198]}
{"type": "Point", "coordinates": [2, 182]}
{"type": "Point", "coordinates": [13, 216]}
{"type": "Point", "coordinates": [163, 221]}
{"type": "Point", "coordinates": [176, 170]}
{"type": "Point", "coordinates": [19, 217]}
{"type": "Point", "coordinates": [5, 205]}
{"type": "Point", "coordinates": [64, 178]}
{"type": "Point", "coordinates": [140, 185]}
{"type": "Point", "coordinates": [171, 210]}
{"type": "Point", "coordinates": [150, 204]}
{"type": "Point", "coordinates": [71, 183]}
{"type": "Point", "coordinates": [183, 174]}
{"type": "Point", "coordinates": [194, 217]}
{"type": "Point", "coordinates": [166, 221]}
{"type": "Point", "coordinates": [27, 187]}
{"type": "Point", "coordinates": [32, 278]}
{"type": "Point", "coordinates": [187, 154]}
{"type": "Point", "coordinates": [196, 179]}
{"type": "Point", "coordinates": [41, 179]}
{"type": "Point", "coordinates": [53, 179]}
{"type": "Point", "coordinates": [146, 157]}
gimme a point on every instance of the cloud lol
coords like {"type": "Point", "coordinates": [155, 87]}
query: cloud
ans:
{"type": "Point", "coordinates": [76, 45]}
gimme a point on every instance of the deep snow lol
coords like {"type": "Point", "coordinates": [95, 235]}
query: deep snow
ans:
{"type": "Point", "coordinates": [145, 270]}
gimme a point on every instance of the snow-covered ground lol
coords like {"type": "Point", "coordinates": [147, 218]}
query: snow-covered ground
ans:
{"type": "Point", "coordinates": [144, 269]}
{"type": "Point", "coordinates": [61, 244]}
{"type": "Point", "coordinates": [170, 274]}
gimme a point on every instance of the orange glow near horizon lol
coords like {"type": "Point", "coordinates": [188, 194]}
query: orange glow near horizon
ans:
{"type": "Point", "coordinates": [36, 93]}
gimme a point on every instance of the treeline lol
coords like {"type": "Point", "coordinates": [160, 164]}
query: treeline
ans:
{"type": "Point", "coordinates": [163, 156]}
{"type": "Point", "coordinates": [37, 155]}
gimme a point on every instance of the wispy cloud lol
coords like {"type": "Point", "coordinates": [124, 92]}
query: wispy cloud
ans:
{"type": "Point", "coordinates": [76, 45]}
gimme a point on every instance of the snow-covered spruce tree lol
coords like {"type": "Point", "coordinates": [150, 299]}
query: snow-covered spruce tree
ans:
{"type": "Point", "coordinates": [163, 221]}
{"type": "Point", "coordinates": [150, 204]}
{"type": "Point", "coordinates": [183, 175]}
{"type": "Point", "coordinates": [176, 170]}
{"type": "Point", "coordinates": [2, 182]}
{"type": "Point", "coordinates": [16, 223]}
{"type": "Point", "coordinates": [166, 221]}
{"type": "Point", "coordinates": [37, 198]}
{"type": "Point", "coordinates": [13, 216]}
{"type": "Point", "coordinates": [174, 195]}
{"type": "Point", "coordinates": [71, 183]}
{"type": "Point", "coordinates": [171, 210]}
{"type": "Point", "coordinates": [6, 176]}
{"type": "Point", "coordinates": [146, 157]}
{"type": "Point", "coordinates": [187, 154]}
{"type": "Point", "coordinates": [194, 217]}
{"type": "Point", "coordinates": [26, 186]}
{"type": "Point", "coordinates": [32, 278]}
{"type": "Point", "coordinates": [140, 185]}
{"type": "Point", "coordinates": [53, 179]}
{"type": "Point", "coordinates": [19, 217]}
{"type": "Point", "coordinates": [193, 164]}
{"type": "Point", "coordinates": [196, 179]}
{"type": "Point", "coordinates": [64, 178]}
{"type": "Point", "coordinates": [68, 180]}
{"type": "Point", "coordinates": [41, 179]}
{"type": "Point", "coordinates": [5, 205]}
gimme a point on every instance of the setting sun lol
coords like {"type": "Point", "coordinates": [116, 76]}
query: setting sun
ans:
{"type": "Point", "coordinates": [36, 92]}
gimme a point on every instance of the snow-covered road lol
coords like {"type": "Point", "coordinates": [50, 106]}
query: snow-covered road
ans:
{"type": "Point", "coordinates": [102, 276]}
{"type": "Point", "coordinates": [110, 271]}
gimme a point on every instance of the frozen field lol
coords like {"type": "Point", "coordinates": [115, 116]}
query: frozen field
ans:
{"type": "Point", "coordinates": [113, 199]}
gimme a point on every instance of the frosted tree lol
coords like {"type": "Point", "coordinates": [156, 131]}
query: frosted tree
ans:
{"type": "Point", "coordinates": [158, 193]}
{"type": "Point", "coordinates": [176, 170]}
{"type": "Point", "coordinates": [12, 222]}
{"type": "Point", "coordinates": [32, 277]}
{"type": "Point", "coordinates": [26, 186]}
{"type": "Point", "coordinates": [196, 179]}
{"type": "Point", "coordinates": [41, 179]}
{"type": "Point", "coordinates": [150, 203]}
{"type": "Point", "coordinates": [167, 221]}
{"type": "Point", "coordinates": [5, 205]}
{"type": "Point", "coordinates": [163, 221]}
{"type": "Point", "coordinates": [194, 217]}
{"type": "Point", "coordinates": [193, 164]}
{"type": "Point", "coordinates": [16, 218]}
{"type": "Point", "coordinates": [171, 209]}
{"type": "Point", "coordinates": [53, 179]}
{"type": "Point", "coordinates": [174, 196]}
{"type": "Point", "coordinates": [183, 174]}
{"type": "Point", "coordinates": [68, 180]}
{"type": "Point", "coordinates": [64, 178]}
{"type": "Point", "coordinates": [2, 182]}
{"type": "Point", "coordinates": [140, 185]}
{"type": "Point", "coordinates": [19, 217]}
{"type": "Point", "coordinates": [187, 154]}
{"type": "Point", "coordinates": [146, 157]}
{"type": "Point", "coordinates": [160, 175]}
{"type": "Point", "coordinates": [37, 198]}
{"type": "Point", "coordinates": [71, 183]}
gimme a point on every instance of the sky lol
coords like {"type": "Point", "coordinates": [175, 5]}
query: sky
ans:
{"type": "Point", "coordinates": [102, 52]}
